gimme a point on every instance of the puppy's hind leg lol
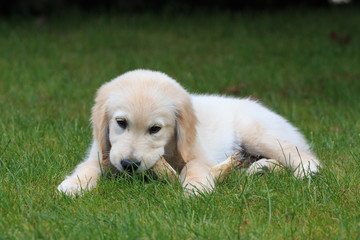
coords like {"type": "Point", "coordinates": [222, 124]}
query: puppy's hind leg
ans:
{"type": "Point", "coordinates": [259, 140]}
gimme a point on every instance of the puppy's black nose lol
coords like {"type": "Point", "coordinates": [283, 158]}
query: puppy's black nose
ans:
{"type": "Point", "coordinates": [130, 165]}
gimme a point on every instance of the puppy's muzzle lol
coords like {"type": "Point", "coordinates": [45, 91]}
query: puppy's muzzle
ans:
{"type": "Point", "coordinates": [130, 164]}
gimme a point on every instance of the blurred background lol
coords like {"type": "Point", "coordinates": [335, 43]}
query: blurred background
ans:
{"type": "Point", "coordinates": [44, 7]}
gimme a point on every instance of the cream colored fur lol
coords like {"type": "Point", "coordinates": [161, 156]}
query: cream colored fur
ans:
{"type": "Point", "coordinates": [197, 132]}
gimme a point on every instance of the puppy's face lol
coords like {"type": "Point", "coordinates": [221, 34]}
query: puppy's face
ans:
{"type": "Point", "coordinates": [141, 123]}
{"type": "Point", "coordinates": [136, 116]}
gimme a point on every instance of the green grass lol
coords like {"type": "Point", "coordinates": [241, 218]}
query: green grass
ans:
{"type": "Point", "coordinates": [50, 70]}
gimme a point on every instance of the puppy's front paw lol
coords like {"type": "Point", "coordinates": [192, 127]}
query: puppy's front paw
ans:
{"type": "Point", "coordinates": [306, 170]}
{"type": "Point", "coordinates": [73, 186]}
{"type": "Point", "coordinates": [194, 188]}
{"type": "Point", "coordinates": [263, 164]}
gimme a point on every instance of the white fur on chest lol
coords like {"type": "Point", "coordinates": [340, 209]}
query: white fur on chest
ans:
{"type": "Point", "coordinates": [216, 129]}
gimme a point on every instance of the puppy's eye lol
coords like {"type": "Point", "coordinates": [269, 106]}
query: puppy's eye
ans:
{"type": "Point", "coordinates": [154, 129]}
{"type": "Point", "coordinates": [122, 123]}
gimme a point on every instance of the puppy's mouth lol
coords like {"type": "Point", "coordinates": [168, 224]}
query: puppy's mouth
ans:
{"type": "Point", "coordinates": [130, 165]}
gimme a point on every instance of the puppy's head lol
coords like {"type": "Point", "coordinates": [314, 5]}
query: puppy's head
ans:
{"type": "Point", "coordinates": [137, 114]}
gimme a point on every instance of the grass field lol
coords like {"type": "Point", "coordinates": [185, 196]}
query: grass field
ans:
{"type": "Point", "coordinates": [289, 60]}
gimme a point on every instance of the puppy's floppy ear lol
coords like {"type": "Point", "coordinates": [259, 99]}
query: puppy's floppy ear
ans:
{"type": "Point", "coordinates": [100, 123]}
{"type": "Point", "coordinates": [186, 129]}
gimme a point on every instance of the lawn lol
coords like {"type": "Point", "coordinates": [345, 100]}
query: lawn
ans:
{"type": "Point", "coordinates": [303, 64]}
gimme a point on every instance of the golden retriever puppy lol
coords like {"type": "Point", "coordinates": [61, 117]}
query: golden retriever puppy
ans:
{"type": "Point", "coordinates": [143, 115]}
